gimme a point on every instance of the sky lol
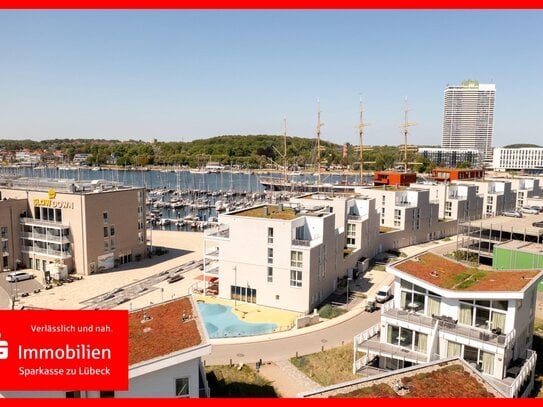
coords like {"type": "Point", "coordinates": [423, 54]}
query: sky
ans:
{"type": "Point", "coordinates": [180, 75]}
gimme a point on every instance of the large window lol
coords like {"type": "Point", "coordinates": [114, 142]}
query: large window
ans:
{"type": "Point", "coordinates": [246, 294]}
{"type": "Point", "coordinates": [182, 387]}
{"type": "Point", "coordinates": [483, 360]}
{"type": "Point", "coordinates": [397, 217]}
{"type": "Point", "coordinates": [351, 234]}
{"type": "Point", "coordinates": [484, 314]}
{"type": "Point", "coordinates": [270, 235]}
{"type": "Point", "coordinates": [295, 278]}
{"type": "Point", "coordinates": [413, 297]}
{"type": "Point", "coordinates": [270, 255]}
{"type": "Point", "coordinates": [407, 338]}
{"type": "Point", "coordinates": [296, 259]}
{"type": "Point", "coordinates": [270, 274]}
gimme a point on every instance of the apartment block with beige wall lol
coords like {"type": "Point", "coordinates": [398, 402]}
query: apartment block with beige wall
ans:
{"type": "Point", "coordinates": [86, 226]}
{"type": "Point", "coordinates": [288, 257]}
{"type": "Point", "coordinates": [10, 211]}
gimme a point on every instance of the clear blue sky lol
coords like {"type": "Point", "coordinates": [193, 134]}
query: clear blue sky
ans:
{"type": "Point", "coordinates": [183, 75]}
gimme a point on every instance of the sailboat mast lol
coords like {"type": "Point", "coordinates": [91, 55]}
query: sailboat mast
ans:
{"type": "Point", "coordinates": [361, 126]}
{"type": "Point", "coordinates": [319, 125]}
{"type": "Point", "coordinates": [285, 161]}
{"type": "Point", "coordinates": [405, 127]}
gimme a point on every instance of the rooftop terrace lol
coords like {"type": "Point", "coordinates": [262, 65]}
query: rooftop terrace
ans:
{"type": "Point", "coordinates": [453, 275]}
{"type": "Point", "coordinates": [269, 212]}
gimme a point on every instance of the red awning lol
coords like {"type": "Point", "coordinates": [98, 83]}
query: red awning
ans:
{"type": "Point", "coordinates": [208, 278]}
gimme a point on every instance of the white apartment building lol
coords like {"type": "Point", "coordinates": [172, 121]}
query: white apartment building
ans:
{"type": "Point", "coordinates": [456, 201]}
{"type": "Point", "coordinates": [166, 343]}
{"type": "Point", "coordinates": [468, 117]}
{"type": "Point", "coordinates": [407, 217]}
{"type": "Point", "coordinates": [498, 196]}
{"type": "Point", "coordinates": [444, 309]}
{"type": "Point", "coordinates": [449, 157]}
{"type": "Point", "coordinates": [290, 257]}
{"type": "Point", "coordinates": [526, 158]}
{"type": "Point", "coordinates": [524, 188]}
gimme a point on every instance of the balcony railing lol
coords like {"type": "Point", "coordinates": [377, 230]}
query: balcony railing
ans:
{"type": "Point", "coordinates": [220, 232]}
{"type": "Point", "coordinates": [61, 254]}
{"type": "Point", "coordinates": [299, 242]}
{"type": "Point", "coordinates": [39, 222]}
{"type": "Point", "coordinates": [459, 330]}
{"type": "Point", "coordinates": [354, 217]}
{"type": "Point", "coordinates": [45, 236]}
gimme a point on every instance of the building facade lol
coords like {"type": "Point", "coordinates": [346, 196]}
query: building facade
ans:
{"type": "Point", "coordinates": [290, 257]}
{"type": "Point", "coordinates": [86, 226]}
{"type": "Point", "coordinates": [450, 157]}
{"type": "Point", "coordinates": [440, 310]}
{"type": "Point", "coordinates": [468, 117]}
{"type": "Point", "coordinates": [525, 159]}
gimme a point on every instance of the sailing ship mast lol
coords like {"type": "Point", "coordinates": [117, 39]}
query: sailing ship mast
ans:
{"type": "Point", "coordinates": [405, 128]}
{"type": "Point", "coordinates": [319, 125]}
{"type": "Point", "coordinates": [285, 161]}
{"type": "Point", "coordinates": [360, 127]}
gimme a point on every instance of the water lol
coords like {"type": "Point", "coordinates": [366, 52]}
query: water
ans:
{"type": "Point", "coordinates": [220, 322]}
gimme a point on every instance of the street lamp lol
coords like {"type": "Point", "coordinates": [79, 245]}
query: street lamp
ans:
{"type": "Point", "coordinates": [347, 301]}
{"type": "Point", "coordinates": [14, 295]}
{"type": "Point", "coordinates": [235, 286]}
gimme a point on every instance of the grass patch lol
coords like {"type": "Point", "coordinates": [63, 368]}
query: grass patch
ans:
{"type": "Point", "coordinates": [379, 267]}
{"type": "Point", "coordinates": [467, 279]}
{"type": "Point", "coordinates": [329, 311]}
{"type": "Point", "coordinates": [376, 391]}
{"type": "Point", "coordinates": [328, 367]}
{"type": "Point", "coordinates": [385, 229]}
{"type": "Point", "coordinates": [228, 381]}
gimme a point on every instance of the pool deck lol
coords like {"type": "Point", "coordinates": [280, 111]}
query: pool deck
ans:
{"type": "Point", "coordinates": [256, 313]}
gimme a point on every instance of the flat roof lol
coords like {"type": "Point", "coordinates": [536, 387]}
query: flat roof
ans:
{"type": "Point", "coordinates": [269, 212]}
{"type": "Point", "coordinates": [452, 275]}
{"type": "Point", "coordinates": [64, 186]}
{"type": "Point", "coordinates": [529, 247]}
{"type": "Point", "coordinates": [508, 224]}
{"type": "Point", "coordinates": [159, 330]}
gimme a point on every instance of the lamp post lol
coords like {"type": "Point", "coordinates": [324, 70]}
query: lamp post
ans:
{"type": "Point", "coordinates": [347, 300]}
{"type": "Point", "coordinates": [235, 286]}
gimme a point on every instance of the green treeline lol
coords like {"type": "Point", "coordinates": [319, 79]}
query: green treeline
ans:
{"type": "Point", "coordinates": [251, 151]}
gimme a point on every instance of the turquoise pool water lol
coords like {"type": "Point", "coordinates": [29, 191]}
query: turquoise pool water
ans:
{"type": "Point", "coordinates": [221, 322]}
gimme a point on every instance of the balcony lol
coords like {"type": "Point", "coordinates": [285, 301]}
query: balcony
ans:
{"type": "Point", "coordinates": [39, 222]}
{"type": "Point", "coordinates": [458, 330]}
{"type": "Point", "coordinates": [221, 232]}
{"type": "Point", "coordinates": [46, 237]}
{"type": "Point", "coordinates": [354, 217]}
{"type": "Point", "coordinates": [214, 254]}
{"type": "Point", "coordinates": [300, 242]}
{"type": "Point", "coordinates": [58, 254]}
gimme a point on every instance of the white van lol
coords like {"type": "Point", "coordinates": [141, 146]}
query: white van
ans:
{"type": "Point", "coordinates": [384, 294]}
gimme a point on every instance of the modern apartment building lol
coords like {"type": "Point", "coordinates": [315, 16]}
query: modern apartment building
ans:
{"type": "Point", "coordinates": [407, 216]}
{"type": "Point", "coordinates": [468, 117]}
{"type": "Point", "coordinates": [166, 343]}
{"type": "Point", "coordinates": [87, 226]}
{"type": "Point", "coordinates": [498, 196]}
{"type": "Point", "coordinates": [290, 257]}
{"type": "Point", "coordinates": [449, 157]}
{"type": "Point", "coordinates": [456, 201]}
{"type": "Point", "coordinates": [525, 159]}
{"type": "Point", "coordinates": [443, 309]}
{"type": "Point", "coordinates": [524, 188]}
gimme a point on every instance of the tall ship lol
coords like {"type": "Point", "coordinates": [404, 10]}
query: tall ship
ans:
{"type": "Point", "coordinates": [300, 183]}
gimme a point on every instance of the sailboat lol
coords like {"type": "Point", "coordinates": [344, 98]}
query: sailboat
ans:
{"type": "Point", "coordinates": [286, 184]}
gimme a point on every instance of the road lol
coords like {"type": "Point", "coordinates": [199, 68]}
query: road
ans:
{"type": "Point", "coordinates": [271, 350]}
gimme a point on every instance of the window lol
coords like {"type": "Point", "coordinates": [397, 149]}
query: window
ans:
{"type": "Point", "coordinates": [296, 259]}
{"type": "Point", "coordinates": [112, 230]}
{"type": "Point", "coordinates": [112, 243]}
{"type": "Point", "coordinates": [107, 394]}
{"type": "Point", "coordinates": [295, 278]}
{"type": "Point", "coordinates": [106, 231]}
{"type": "Point", "coordinates": [484, 314]}
{"type": "Point", "coordinates": [140, 237]}
{"type": "Point", "coordinates": [73, 394]}
{"type": "Point", "coordinates": [37, 212]}
{"type": "Point", "coordinates": [58, 215]}
{"type": "Point", "coordinates": [270, 235]}
{"type": "Point", "coordinates": [106, 245]}
{"type": "Point", "coordinates": [397, 217]}
{"type": "Point", "coordinates": [351, 234]}
{"type": "Point", "coordinates": [105, 217]}
{"type": "Point", "coordinates": [270, 274]}
{"type": "Point", "coordinates": [182, 387]}
{"type": "Point", "coordinates": [270, 255]}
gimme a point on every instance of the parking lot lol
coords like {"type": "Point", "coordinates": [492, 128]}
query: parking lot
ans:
{"type": "Point", "coordinates": [8, 290]}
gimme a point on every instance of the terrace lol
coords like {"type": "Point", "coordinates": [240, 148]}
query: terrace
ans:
{"type": "Point", "coordinates": [269, 212]}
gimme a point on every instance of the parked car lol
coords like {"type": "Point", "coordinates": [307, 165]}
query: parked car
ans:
{"type": "Point", "coordinates": [537, 208]}
{"type": "Point", "coordinates": [19, 276]}
{"type": "Point", "coordinates": [175, 278]}
{"type": "Point", "coordinates": [529, 210]}
{"type": "Point", "coordinates": [370, 305]}
{"type": "Point", "coordinates": [538, 224]}
{"type": "Point", "coordinates": [513, 214]}
{"type": "Point", "coordinates": [384, 294]}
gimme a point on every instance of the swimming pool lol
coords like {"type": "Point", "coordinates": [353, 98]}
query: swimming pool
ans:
{"type": "Point", "coordinates": [221, 322]}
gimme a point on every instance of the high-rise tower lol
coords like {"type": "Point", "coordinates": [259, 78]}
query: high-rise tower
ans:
{"type": "Point", "coordinates": [468, 117]}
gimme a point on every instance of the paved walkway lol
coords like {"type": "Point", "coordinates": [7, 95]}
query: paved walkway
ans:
{"type": "Point", "coordinates": [287, 379]}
